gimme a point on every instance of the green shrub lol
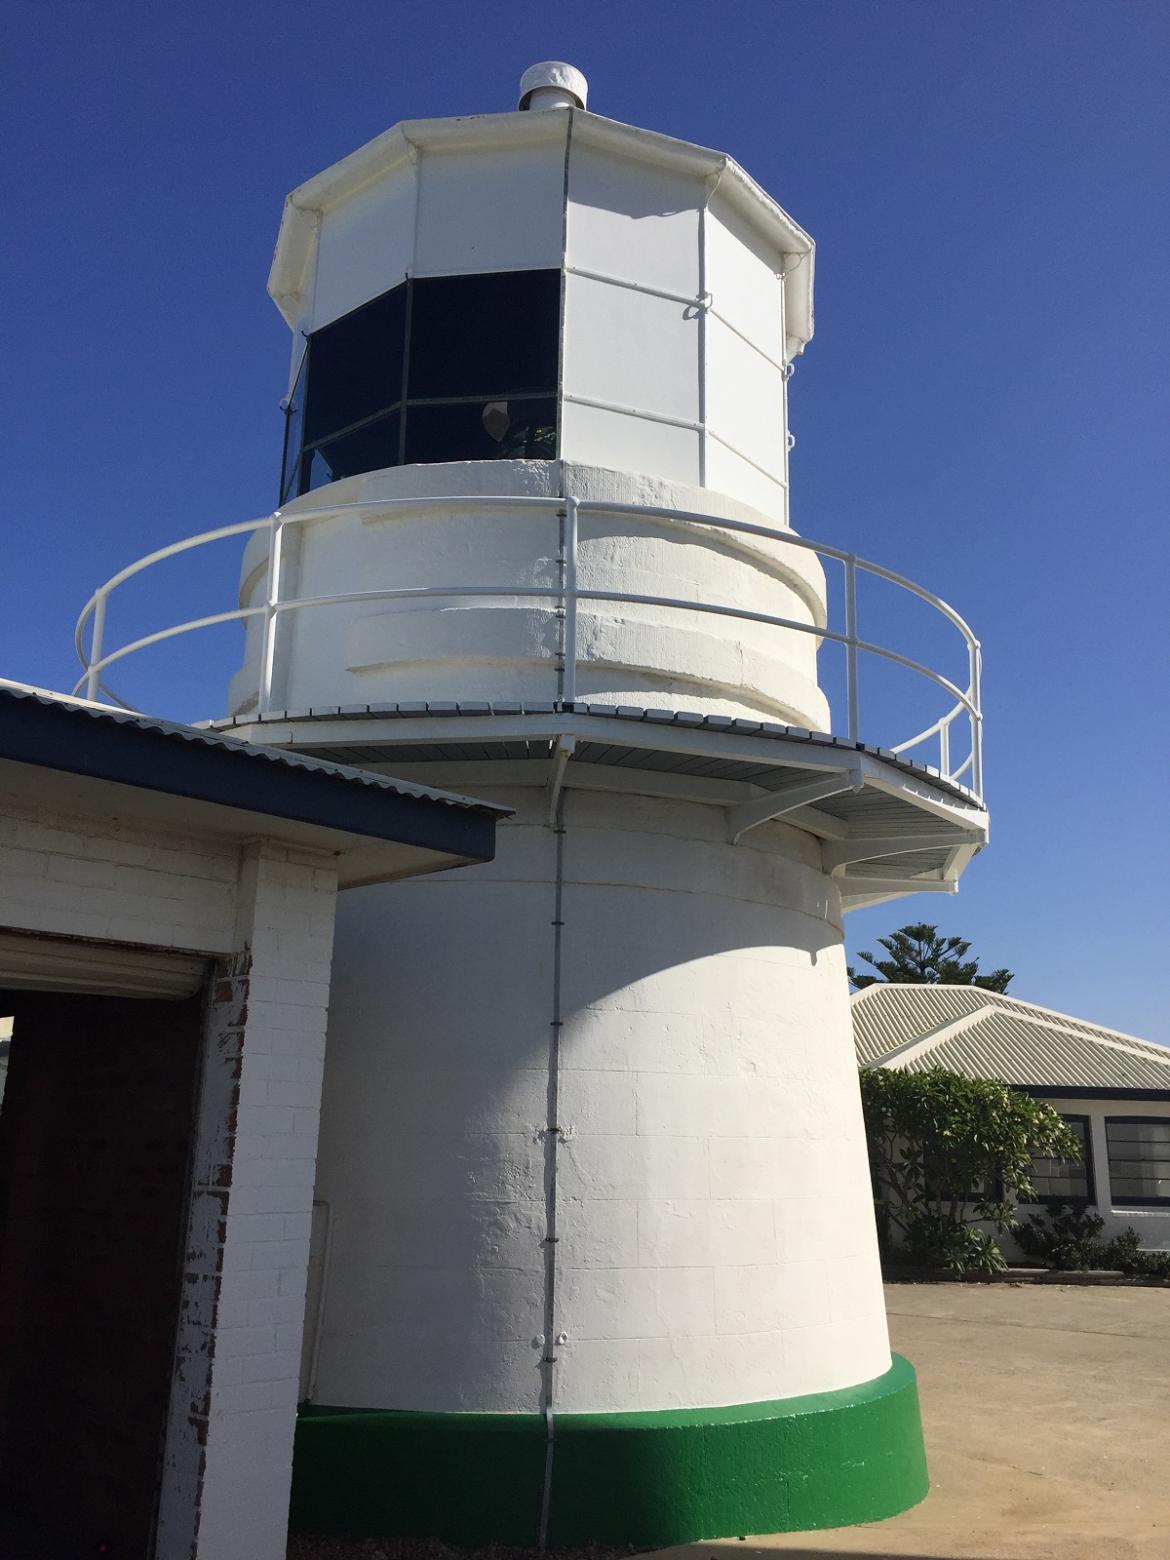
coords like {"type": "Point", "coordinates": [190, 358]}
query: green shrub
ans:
{"type": "Point", "coordinates": [1125, 1252]}
{"type": "Point", "coordinates": [937, 1241]}
{"type": "Point", "coordinates": [1064, 1239]}
{"type": "Point", "coordinates": [949, 1154]}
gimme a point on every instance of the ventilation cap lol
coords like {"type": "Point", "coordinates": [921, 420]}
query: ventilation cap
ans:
{"type": "Point", "coordinates": [552, 84]}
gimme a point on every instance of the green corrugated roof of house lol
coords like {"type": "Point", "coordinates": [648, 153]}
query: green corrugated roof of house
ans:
{"type": "Point", "coordinates": [986, 1034]}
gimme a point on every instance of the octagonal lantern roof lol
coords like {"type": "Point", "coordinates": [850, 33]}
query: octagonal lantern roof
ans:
{"type": "Point", "coordinates": [403, 143]}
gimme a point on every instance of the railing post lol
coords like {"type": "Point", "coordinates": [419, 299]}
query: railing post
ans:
{"type": "Point", "coordinates": [977, 720]}
{"type": "Point", "coordinates": [944, 749]}
{"type": "Point", "coordinates": [271, 604]}
{"type": "Point", "coordinates": [569, 603]}
{"type": "Point", "coordinates": [852, 693]}
{"type": "Point", "coordinates": [93, 678]}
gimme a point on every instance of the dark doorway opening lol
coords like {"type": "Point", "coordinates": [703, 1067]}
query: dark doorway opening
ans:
{"type": "Point", "coordinates": [96, 1128]}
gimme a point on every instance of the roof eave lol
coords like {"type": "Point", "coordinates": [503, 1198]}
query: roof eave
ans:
{"type": "Point", "coordinates": [195, 767]}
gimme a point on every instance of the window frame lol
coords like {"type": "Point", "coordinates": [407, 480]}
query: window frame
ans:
{"type": "Point", "coordinates": [1089, 1196]}
{"type": "Point", "coordinates": [300, 382]}
{"type": "Point", "coordinates": [1133, 1121]}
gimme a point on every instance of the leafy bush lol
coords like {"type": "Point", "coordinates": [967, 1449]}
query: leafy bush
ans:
{"type": "Point", "coordinates": [934, 1240]}
{"type": "Point", "coordinates": [1125, 1252]}
{"type": "Point", "coordinates": [1065, 1239]}
{"type": "Point", "coordinates": [949, 1154]}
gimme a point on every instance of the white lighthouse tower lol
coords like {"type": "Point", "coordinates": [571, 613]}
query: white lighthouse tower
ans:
{"type": "Point", "coordinates": [595, 1244]}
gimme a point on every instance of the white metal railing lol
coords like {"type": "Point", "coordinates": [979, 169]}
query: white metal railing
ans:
{"type": "Point", "coordinates": [567, 595]}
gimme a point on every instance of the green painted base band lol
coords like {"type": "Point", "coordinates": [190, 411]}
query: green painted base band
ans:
{"type": "Point", "coordinates": [647, 1479]}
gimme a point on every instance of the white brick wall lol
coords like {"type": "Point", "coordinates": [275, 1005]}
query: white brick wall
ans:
{"type": "Point", "coordinates": [81, 876]}
{"type": "Point", "coordinates": [264, 1060]}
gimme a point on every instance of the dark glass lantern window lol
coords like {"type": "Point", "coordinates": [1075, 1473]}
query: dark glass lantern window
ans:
{"type": "Point", "coordinates": [484, 336]}
{"type": "Point", "coordinates": [368, 447]}
{"type": "Point", "coordinates": [355, 366]}
{"type": "Point", "coordinates": [439, 369]}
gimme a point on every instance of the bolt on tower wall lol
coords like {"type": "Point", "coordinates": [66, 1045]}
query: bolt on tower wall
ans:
{"type": "Point", "coordinates": [600, 1258]}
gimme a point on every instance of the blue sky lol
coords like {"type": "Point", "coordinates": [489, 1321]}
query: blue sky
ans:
{"type": "Point", "coordinates": [985, 405]}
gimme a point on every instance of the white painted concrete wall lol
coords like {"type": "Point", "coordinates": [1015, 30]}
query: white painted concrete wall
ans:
{"type": "Point", "coordinates": [715, 1223]}
{"type": "Point", "coordinates": [502, 647]}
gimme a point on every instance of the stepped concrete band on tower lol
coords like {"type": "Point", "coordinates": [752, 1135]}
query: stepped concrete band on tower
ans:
{"type": "Point", "coordinates": [594, 1250]}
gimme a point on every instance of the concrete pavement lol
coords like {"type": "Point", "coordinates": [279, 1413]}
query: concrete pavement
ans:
{"type": "Point", "coordinates": [1047, 1414]}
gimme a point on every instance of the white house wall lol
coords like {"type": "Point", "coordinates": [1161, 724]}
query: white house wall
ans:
{"type": "Point", "coordinates": [728, 472]}
{"type": "Point", "coordinates": [1151, 1224]}
{"type": "Point", "coordinates": [746, 396]}
{"type": "Point", "coordinates": [264, 913]}
{"type": "Point", "coordinates": [77, 876]}
{"type": "Point", "coordinates": [636, 356]}
{"type": "Point", "coordinates": [745, 399]}
{"type": "Point", "coordinates": [658, 356]}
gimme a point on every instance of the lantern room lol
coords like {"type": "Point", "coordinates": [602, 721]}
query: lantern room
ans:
{"type": "Point", "coordinates": [536, 286]}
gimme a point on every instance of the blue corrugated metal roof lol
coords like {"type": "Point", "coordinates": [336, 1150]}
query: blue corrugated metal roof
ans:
{"type": "Point", "coordinates": [254, 750]}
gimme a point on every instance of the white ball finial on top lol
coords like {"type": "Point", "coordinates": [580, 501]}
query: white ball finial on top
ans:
{"type": "Point", "coordinates": [552, 84]}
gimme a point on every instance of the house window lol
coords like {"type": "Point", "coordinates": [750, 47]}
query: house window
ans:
{"type": "Point", "coordinates": [1066, 1180]}
{"type": "Point", "coordinates": [1139, 1160]}
{"type": "Point", "coordinates": [440, 368]}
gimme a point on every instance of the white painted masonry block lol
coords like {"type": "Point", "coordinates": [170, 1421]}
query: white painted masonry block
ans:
{"type": "Point", "coordinates": [712, 1200]}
